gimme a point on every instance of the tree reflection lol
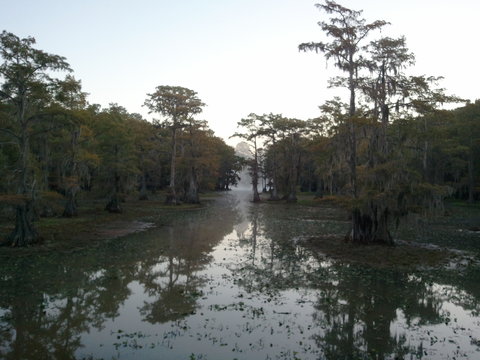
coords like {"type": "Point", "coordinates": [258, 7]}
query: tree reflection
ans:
{"type": "Point", "coordinates": [171, 279]}
{"type": "Point", "coordinates": [48, 302]}
{"type": "Point", "coordinates": [358, 308]}
{"type": "Point", "coordinates": [274, 261]}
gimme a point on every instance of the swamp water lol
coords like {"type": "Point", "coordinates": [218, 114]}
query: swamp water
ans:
{"type": "Point", "coordinates": [233, 281]}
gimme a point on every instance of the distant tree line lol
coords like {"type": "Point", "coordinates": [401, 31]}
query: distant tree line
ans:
{"type": "Point", "coordinates": [389, 151]}
{"type": "Point", "coordinates": [54, 144]}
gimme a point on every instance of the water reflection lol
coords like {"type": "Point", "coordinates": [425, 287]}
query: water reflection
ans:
{"type": "Point", "coordinates": [47, 302]}
{"type": "Point", "coordinates": [362, 312]}
{"type": "Point", "coordinates": [358, 311]}
{"type": "Point", "coordinates": [232, 281]}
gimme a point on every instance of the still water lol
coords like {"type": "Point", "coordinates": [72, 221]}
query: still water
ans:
{"type": "Point", "coordinates": [233, 281]}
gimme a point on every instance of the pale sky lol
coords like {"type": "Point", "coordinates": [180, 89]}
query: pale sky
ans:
{"type": "Point", "coordinates": [240, 56]}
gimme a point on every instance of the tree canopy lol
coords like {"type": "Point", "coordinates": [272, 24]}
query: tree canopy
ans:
{"type": "Point", "coordinates": [388, 150]}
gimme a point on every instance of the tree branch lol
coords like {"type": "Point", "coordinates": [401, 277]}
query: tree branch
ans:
{"type": "Point", "coordinates": [10, 132]}
{"type": "Point", "coordinates": [5, 95]}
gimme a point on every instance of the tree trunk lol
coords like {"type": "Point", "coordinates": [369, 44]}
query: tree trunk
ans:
{"type": "Point", "coordinates": [256, 196]}
{"type": "Point", "coordinates": [254, 222]}
{"type": "Point", "coordinates": [382, 235]}
{"type": "Point", "coordinates": [369, 227]}
{"type": "Point", "coordinates": [352, 135]}
{"type": "Point", "coordinates": [143, 188]}
{"type": "Point", "coordinates": [72, 188]}
{"type": "Point", "coordinates": [24, 233]}
{"type": "Point", "coordinates": [425, 152]}
{"type": "Point", "coordinates": [292, 193]}
{"type": "Point", "coordinates": [294, 160]}
{"type": "Point", "coordinates": [71, 205]}
{"type": "Point", "coordinates": [45, 162]}
{"type": "Point", "coordinates": [320, 188]}
{"type": "Point", "coordinates": [471, 178]}
{"type": "Point", "coordinates": [113, 205]}
{"type": "Point", "coordinates": [292, 196]}
{"type": "Point", "coordinates": [370, 224]}
{"type": "Point", "coordinates": [274, 194]}
{"type": "Point", "coordinates": [192, 193]}
{"type": "Point", "coordinates": [361, 227]}
{"type": "Point", "coordinates": [171, 193]}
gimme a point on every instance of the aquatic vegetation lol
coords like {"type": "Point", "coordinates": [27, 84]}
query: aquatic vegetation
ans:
{"type": "Point", "coordinates": [237, 280]}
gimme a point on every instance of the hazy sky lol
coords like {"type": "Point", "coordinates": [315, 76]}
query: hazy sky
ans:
{"type": "Point", "coordinates": [240, 56]}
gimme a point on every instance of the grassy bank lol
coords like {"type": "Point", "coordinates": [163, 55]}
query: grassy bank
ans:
{"type": "Point", "coordinates": [94, 224]}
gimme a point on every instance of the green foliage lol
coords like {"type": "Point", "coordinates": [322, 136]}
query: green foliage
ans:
{"type": "Point", "coordinates": [177, 105]}
{"type": "Point", "coordinates": [55, 145]}
{"type": "Point", "coordinates": [389, 151]}
{"type": "Point", "coordinates": [24, 91]}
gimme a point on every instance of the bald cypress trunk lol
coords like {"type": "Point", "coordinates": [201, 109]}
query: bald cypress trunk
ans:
{"type": "Point", "coordinates": [25, 232]}
{"type": "Point", "coordinates": [192, 192]}
{"type": "Point", "coordinates": [370, 226]}
{"type": "Point", "coordinates": [292, 191]}
{"type": "Point", "coordinates": [73, 187]}
{"type": "Point", "coordinates": [22, 70]}
{"type": "Point", "coordinates": [352, 131]}
{"type": "Point", "coordinates": [256, 195]}
{"type": "Point", "coordinates": [274, 193]}
{"type": "Point", "coordinates": [191, 196]}
{"type": "Point", "coordinates": [471, 178]}
{"type": "Point", "coordinates": [294, 161]}
{"type": "Point", "coordinates": [370, 222]}
{"type": "Point", "coordinates": [71, 205]}
{"type": "Point", "coordinates": [113, 205]}
{"type": "Point", "coordinates": [171, 192]}
{"type": "Point", "coordinates": [143, 187]}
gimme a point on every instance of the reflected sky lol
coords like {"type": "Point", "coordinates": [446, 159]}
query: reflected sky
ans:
{"type": "Point", "coordinates": [232, 281]}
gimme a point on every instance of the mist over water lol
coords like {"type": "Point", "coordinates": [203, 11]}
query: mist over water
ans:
{"type": "Point", "coordinates": [245, 183]}
{"type": "Point", "coordinates": [232, 281]}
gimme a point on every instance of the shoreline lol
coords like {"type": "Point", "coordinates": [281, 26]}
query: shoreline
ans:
{"type": "Point", "coordinates": [94, 224]}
